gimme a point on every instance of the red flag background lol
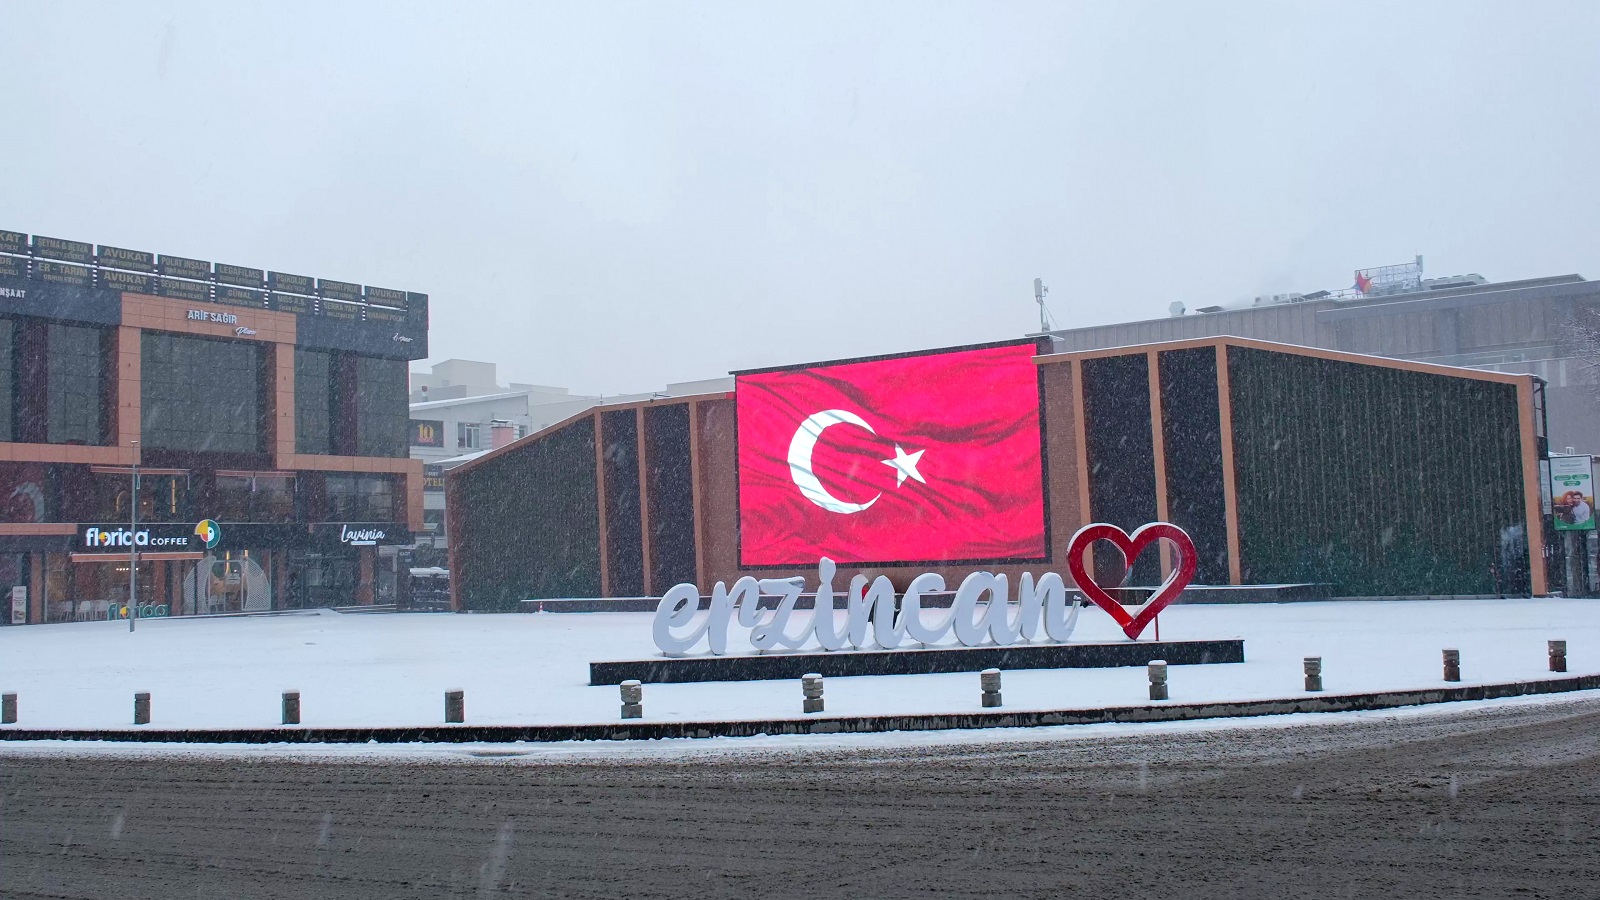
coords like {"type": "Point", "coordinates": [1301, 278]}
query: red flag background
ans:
{"type": "Point", "coordinates": [972, 414]}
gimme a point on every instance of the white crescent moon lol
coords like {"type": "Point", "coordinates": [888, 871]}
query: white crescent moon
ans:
{"type": "Point", "coordinates": [800, 449]}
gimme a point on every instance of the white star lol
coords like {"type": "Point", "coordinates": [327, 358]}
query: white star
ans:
{"type": "Point", "coordinates": [905, 465]}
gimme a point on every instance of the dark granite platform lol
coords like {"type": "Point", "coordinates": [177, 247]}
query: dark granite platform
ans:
{"type": "Point", "coordinates": [773, 666]}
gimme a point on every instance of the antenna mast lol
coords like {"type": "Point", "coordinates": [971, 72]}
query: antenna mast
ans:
{"type": "Point", "coordinates": [1039, 291]}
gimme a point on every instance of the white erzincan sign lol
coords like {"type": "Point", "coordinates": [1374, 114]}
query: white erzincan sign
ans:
{"type": "Point", "coordinates": [980, 612]}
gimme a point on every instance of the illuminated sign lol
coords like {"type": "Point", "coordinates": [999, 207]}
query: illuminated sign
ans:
{"type": "Point", "coordinates": [221, 318]}
{"type": "Point", "coordinates": [427, 433]}
{"type": "Point", "coordinates": [932, 457]}
{"type": "Point", "coordinates": [433, 478]}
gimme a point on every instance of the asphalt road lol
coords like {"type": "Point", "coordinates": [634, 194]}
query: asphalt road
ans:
{"type": "Point", "coordinates": [1472, 803]}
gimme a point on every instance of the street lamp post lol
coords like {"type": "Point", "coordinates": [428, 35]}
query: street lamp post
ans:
{"type": "Point", "coordinates": [133, 544]}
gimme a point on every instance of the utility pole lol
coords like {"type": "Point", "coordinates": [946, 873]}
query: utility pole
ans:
{"type": "Point", "coordinates": [133, 544]}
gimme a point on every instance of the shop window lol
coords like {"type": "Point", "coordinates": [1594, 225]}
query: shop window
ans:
{"type": "Point", "coordinates": [74, 375]}
{"type": "Point", "coordinates": [360, 498]}
{"type": "Point", "coordinates": [200, 394]}
{"type": "Point", "coordinates": [162, 497]}
{"type": "Point", "coordinates": [313, 399]}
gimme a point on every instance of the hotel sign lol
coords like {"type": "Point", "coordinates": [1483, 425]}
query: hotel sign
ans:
{"type": "Point", "coordinates": [427, 432]}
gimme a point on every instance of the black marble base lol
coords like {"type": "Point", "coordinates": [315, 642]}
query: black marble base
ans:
{"type": "Point", "coordinates": [774, 666]}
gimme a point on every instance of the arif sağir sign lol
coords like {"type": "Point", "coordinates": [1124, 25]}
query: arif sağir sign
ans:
{"type": "Point", "coordinates": [927, 458]}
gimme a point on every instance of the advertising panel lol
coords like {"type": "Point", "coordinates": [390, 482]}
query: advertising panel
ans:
{"type": "Point", "coordinates": [1572, 492]}
{"type": "Point", "coordinates": [13, 242]}
{"type": "Point", "coordinates": [290, 303]}
{"type": "Point", "coordinates": [179, 289]}
{"type": "Point", "coordinates": [15, 266]}
{"type": "Point", "coordinates": [239, 296]}
{"type": "Point", "coordinates": [924, 458]}
{"type": "Point", "coordinates": [183, 267]}
{"type": "Point", "coordinates": [339, 290]}
{"type": "Point", "coordinates": [67, 251]}
{"type": "Point", "coordinates": [125, 281]}
{"type": "Point", "coordinates": [427, 432]}
{"type": "Point", "coordinates": [432, 479]}
{"type": "Point", "coordinates": [63, 273]}
{"type": "Point", "coordinates": [132, 260]}
{"type": "Point", "coordinates": [239, 275]}
{"type": "Point", "coordinates": [155, 538]}
{"type": "Point", "coordinates": [386, 297]}
{"type": "Point", "coordinates": [292, 284]}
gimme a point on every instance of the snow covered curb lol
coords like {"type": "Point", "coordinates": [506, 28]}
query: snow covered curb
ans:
{"type": "Point", "coordinates": [636, 731]}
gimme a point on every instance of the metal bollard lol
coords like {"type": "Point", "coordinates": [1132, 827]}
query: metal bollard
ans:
{"type": "Point", "coordinates": [990, 680]}
{"type": "Point", "coordinates": [811, 687]}
{"type": "Point", "coordinates": [1157, 669]}
{"type": "Point", "coordinates": [291, 707]}
{"type": "Point", "coordinates": [141, 709]}
{"type": "Point", "coordinates": [1558, 657]}
{"type": "Point", "coordinates": [8, 709]}
{"type": "Point", "coordinates": [1452, 665]}
{"type": "Point", "coordinates": [455, 707]}
{"type": "Point", "coordinates": [632, 700]}
{"type": "Point", "coordinates": [1313, 673]}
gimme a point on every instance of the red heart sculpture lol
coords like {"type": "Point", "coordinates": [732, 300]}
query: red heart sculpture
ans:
{"type": "Point", "coordinates": [1131, 545]}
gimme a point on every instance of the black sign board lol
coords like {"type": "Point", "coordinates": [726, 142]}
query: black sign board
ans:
{"type": "Point", "coordinates": [417, 306]}
{"type": "Point", "coordinates": [69, 251]}
{"type": "Point", "coordinates": [384, 314]}
{"type": "Point", "coordinates": [118, 539]}
{"type": "Point", "coordinates": [290, 303]}
{"type": "Point", "coordinates": [339, 290]}
{"type": "Point", "coordinates": [427, 433]}
{"type": "Point", "coordinates": [63, 273]}
{"type": "Point", "coordinates": [239, 275]}
{"type": "Point", "coordinates": [14, 265]}
{"type": "Point", "coordinates": [359, 534]}
{"type": "Point", "coordinates": [126, 281]}
{"type": "Point", "coordinates": [13, 242]}
{"type": "Point", "coordinates": [293, 284]}
{"type": "Point", "coordinates": [333, 309]}
{"type": "Point", "coordinates": [183, 290]}
{"type": "Point", "coordinates": [180, 267]}
{"type": "Point", "coordinates": [386, 297]}
{"type": "Point", "coordinates": [239, 296]}
{"type": "Point", "coordinates": [432, 478]}
{"type": "Point", "coordinates": [132, 260]}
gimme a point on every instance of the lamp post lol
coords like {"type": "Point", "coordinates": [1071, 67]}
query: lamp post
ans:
{"type": "Point", "coordinates": [133, 544]}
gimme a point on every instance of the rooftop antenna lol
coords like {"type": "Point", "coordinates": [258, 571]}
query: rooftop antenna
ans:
{"type": "Point", "coordinates": [1039, 292]}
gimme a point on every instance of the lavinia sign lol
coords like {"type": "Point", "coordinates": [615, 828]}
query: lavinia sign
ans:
{"type": "Point", "coordinates": [982, 612]}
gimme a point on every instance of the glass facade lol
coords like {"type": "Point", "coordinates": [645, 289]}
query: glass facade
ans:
{"type": "Point", "coordinates": [313, 401]}
{"type": "Point", "coordinates": [8, 379]}
{"type": "Point", "coordinates": [265, 498]}
{"type": "Point", "coordinates": [200, 394]}
{"type": "Point", "coordinates": [382, 406]}
{"type": "Point", "coordinates": [75, 384]}
{"type": "Point", "coordinates": [360, 498]}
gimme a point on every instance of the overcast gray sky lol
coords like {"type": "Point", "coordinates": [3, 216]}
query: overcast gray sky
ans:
{"type": "Point", "coordinates": [614, 196]}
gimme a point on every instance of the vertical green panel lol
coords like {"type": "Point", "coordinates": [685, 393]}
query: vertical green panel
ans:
{"type": "Point", "coordinates": [530, 523]}
{"type": "Point", "coordinates": [1380, 481]}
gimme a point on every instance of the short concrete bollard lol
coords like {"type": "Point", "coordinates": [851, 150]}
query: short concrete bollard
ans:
{"type": "Point", "coordinates": [8, 709]}
{"type": "Point", "coordinates": [1313, 673]}
{"type": "Point", "coordinates": [455, 707]}
{"type": "Point", "coordinates": [990, 680]}
{"type": "Point", "coordinates": [632, 700]}
{"type": "Point", "coordinates": [1157, 670]}
{"type": "Point", "coordinates": [141, 709]}
{"type": "Point", "coordinates": [811, 686]}
{"type": "Point", "coordinates": [291, 707]}
{"type": "Point", "coordinates": [1452, 665]}
{"type": "Point", "coordinates": [1558, 657]}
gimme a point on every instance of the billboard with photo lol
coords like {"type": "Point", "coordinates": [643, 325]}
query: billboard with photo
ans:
{"type": "Point", "coordinates": [932, 457]}
{"type": "Point", "coordinates": [1572, 493]}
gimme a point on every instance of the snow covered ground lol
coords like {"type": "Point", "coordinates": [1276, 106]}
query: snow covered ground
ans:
{"type": "Point", "coordinates": [355, 670]}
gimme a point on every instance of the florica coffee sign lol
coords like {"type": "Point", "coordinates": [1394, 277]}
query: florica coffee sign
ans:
{"type": "Point", "coordinates": [1041, 605]}
{"type": "Point", "coordinates": [111, 537]}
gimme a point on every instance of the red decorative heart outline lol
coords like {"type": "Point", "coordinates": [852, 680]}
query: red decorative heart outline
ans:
{"type": "Point", "coordinates": [1131, 546]}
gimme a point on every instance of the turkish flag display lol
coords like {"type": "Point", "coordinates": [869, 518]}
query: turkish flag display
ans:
{"type": "Point", "coordinates": [927, 458]}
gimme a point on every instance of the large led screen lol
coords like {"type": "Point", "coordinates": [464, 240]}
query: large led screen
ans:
{"type": "Point", "coordinates": [922, 458]}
